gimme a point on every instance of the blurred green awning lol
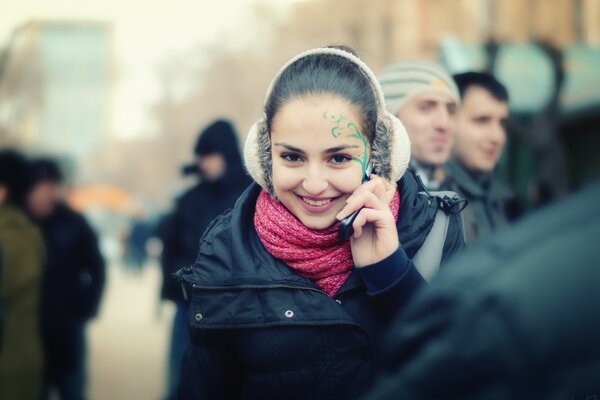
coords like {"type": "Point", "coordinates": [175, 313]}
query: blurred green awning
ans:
{"type": "Point", "coordinates": [527, 72]}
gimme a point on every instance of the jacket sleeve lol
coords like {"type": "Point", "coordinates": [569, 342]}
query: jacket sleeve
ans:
{"type": "Point", "coordinates": [180, 248]}
{"type": "Point", "coordinates": [208, 369]}
{"type": "Point", "coordinates": [455, 239]}
{"type": "Point", "coordinates": [391, 282]}
{"type": "Point", "coordinates": [92, 270]}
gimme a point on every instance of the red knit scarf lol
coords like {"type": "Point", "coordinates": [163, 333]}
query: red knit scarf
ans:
{"type": "Point", "coordinates": [313, 254]}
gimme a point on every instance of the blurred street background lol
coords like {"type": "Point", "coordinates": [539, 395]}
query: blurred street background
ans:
{"type": "Point", "coordinates": [129, 339]}
{"type": "Point", "coordinates": [117, 92]}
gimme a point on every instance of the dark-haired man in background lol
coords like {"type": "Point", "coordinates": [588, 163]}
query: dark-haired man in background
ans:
{"type": "Point", "coordinates": [479, 140]}
{"type": "Point", "coordinates": [72, 284]}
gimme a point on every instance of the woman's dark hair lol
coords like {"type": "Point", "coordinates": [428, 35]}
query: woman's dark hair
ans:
{"type": "Point", "coordinates": [326, 74]}
{"type": "Point", "coordinates": [13, 176]}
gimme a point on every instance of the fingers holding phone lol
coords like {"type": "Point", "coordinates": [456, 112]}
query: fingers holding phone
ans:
{"type": "Point", "coordinates": [375, 236]}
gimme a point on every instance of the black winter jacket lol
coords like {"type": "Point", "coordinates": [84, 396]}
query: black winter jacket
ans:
{"type": "Point", "coordinates": [73, 281]}
{"type": "Point", "coordinates": [74, 274]}
{"type": "Point", "coordinates": [258, 330]}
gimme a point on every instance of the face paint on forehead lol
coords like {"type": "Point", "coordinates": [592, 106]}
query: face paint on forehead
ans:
{"type": "Point", "coordinates": [344, 127]}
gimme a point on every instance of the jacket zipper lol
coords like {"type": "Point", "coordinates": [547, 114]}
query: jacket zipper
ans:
{"type": "Point", "coordinates": [268, 286]}
{"type": "Point", "coordinates": [178, 275]}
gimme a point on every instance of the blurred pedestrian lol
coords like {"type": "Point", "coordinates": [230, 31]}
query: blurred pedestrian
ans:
{"type": "Point", "coordinates": [480, 139]}
{"type": "Point", "coordinates": [21, 259]}
{"type": "Point", "coordinates": [286, 303]}
{"type": "Point", "coordinates": [424, 97]}
{"type": "Point", "coordinates": [222, 176]}
{"type": "Point", "coordinates": [140, 231]}
{"type": "Point", "coordinates": [526, 328]}
{"type": "Point", "coordinates": [73, 280]}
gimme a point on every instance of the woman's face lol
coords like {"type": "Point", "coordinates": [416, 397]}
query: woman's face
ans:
{"type": "Point", "coordinates": [319, 156]}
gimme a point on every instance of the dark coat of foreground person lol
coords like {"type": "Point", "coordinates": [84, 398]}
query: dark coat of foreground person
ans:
{"type": "Point", "coordinates": [516, 317]}
{"type": "Point", "coordinates": [260, 331]}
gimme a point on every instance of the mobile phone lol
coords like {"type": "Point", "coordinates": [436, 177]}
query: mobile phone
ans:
{"type": "Point", "coordinates": [345, 231]}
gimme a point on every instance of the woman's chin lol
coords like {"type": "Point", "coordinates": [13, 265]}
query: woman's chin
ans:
{"type": "Point", "coordinates": [318, 223]}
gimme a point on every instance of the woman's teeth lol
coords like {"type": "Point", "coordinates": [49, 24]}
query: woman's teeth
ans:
{"type": "Point", "coordinates": [316, 203]}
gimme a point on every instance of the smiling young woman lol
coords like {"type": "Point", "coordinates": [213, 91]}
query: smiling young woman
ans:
{"type": "Point", "coordinates": [280, 306]}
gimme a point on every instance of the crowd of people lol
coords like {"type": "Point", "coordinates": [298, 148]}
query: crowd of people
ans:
{"type": "Point", "coordinates": [359, 247]}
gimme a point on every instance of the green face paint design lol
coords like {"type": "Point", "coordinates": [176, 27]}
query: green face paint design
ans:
{"type": "Point", "coordinates": [343, 127]}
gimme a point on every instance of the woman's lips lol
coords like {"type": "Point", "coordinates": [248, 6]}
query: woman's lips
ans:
{"type": "Point", "coordinates": [317, 205]}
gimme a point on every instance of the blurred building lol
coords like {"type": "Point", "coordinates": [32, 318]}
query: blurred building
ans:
{"type": "Point", "coordinates": [56, 88]}
{"type": "Point", "coordinates": [384, 31]}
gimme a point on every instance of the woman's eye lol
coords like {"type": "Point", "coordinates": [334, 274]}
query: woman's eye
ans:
{"type": "Point", "coordinates": [340, 159]}
{"type": "Point", "coordinates": [291, 157]}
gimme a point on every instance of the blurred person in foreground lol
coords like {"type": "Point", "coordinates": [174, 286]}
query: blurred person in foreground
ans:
{"type": "Point", "coordinates": [424, 97]}
{"type": "Point", "coordinates": [73, 280]}
{"type": "Point", "coordinates": [222, 179]}
{"type": "Point", "coordinates": [480, 139]}
{"type": "Point", "coordinates": [21, 258]}
{"type": "Point", "coordinates": [526, 328]}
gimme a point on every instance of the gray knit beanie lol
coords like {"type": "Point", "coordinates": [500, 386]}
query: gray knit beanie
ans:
{"type": "Point", "coordinates": [401, 82]}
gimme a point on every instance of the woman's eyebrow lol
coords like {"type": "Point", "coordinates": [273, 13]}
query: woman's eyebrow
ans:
{"type": "Point", "coordinates": [290, 148]}
{"type": "Point", "coordinates": [326, 151]}
{"type": "Point", "coordinates": [340, 148]}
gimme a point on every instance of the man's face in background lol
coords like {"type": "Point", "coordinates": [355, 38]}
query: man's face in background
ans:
{"type": "Point", "coordinates": [212, 166]}
{"type": "Point", "coordinates": [481, 130]}
{"type": "Point", "coordinates": [43, 199]}
{"type": "Point", "coordinates": [429, 119]}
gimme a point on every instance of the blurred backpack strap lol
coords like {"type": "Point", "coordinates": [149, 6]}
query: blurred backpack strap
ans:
{"type": "Point", "coordinates": [429, 257]}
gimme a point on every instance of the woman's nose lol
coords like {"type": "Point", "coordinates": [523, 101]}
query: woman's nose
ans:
{"type": "Point", "coordinates": [314, 183]}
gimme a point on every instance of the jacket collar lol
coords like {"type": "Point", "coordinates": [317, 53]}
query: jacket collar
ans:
{"type": "Point", "coordinates": [486, 186]}
{"type": "Point", "coordinates": [231, 254]}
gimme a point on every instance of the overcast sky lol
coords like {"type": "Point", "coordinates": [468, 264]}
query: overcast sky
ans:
{"type": "Point", "coordinates": [148, 34]}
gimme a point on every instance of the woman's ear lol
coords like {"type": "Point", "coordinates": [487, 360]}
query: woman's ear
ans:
{"type": "Point", "coordinates": [257, 155]}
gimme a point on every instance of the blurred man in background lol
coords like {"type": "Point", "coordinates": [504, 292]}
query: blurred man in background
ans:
{"type": "Point", "coordinates": [424, 97]}
{"type": "Point", "coordinates": [73, 280]}
{"type": "Point", "coordinates": [480, 139]}
{"type": "Point", "coordinates": [21, 259]}
{"type": "Point", "coordinates": [222, 179]}
{"type": "Point", "coordinates": [526, 328]}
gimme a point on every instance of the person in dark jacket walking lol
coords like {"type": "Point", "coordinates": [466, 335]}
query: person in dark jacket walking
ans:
{"type": "Point", "coordinates": [480, 139]}
{"type": "Point", "coordinates": [222, 179]}
{"type": "Point", "coordinates": [526, 328]}
{"type": "Point", "coordinates": [283, 305]}
{"type": "Point", "coordinates": [73, 281]}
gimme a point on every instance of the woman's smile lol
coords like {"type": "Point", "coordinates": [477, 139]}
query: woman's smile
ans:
{"type": "Point", "coordinates": [317, 204]}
